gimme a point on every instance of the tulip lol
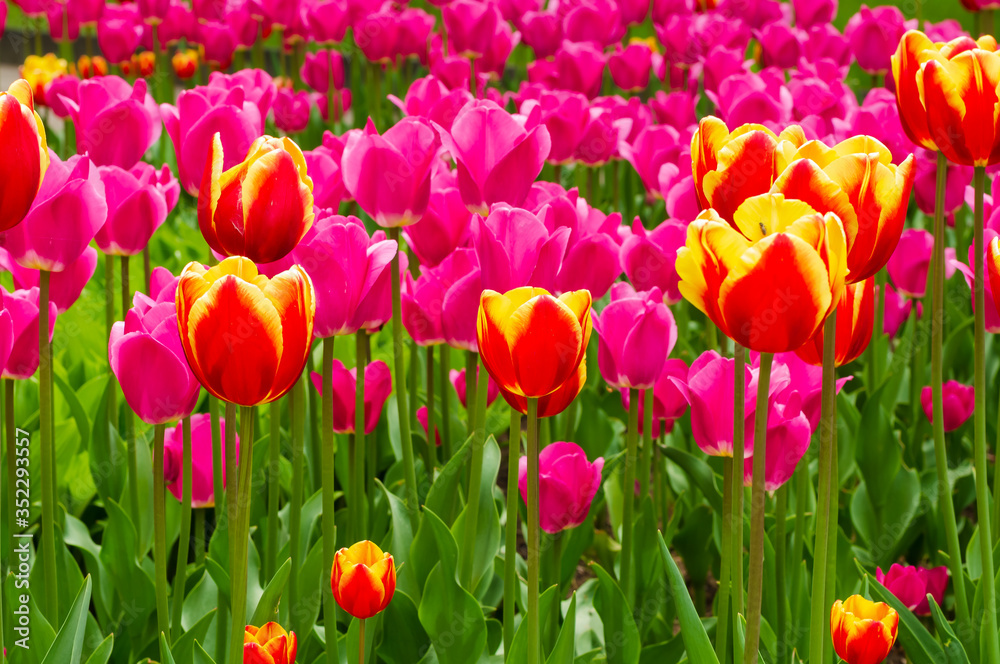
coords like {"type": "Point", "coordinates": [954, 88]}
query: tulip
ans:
{"type": "Point", "coordinates": [443, 228]}
{"type": "Point", "coordinates": [185, 64]}
{"type": "Point", "coordinates": [676, 109]}
{"type": "Point", "coordinates": [260, 208]}
{"type": "Point", "coordinates": [912, 584]}
{"type": "Point", "coordinates": [873, 35]}
{"type": "Point", "coordinates": [246, 368]}
{"type": "Point", "coordinates": [551, 404]}
{"type": "Point", "coordinates": [269, 644]}
{"type": "Point", "coordinates": [863, 631]}
{"type": "Point", "coordinates": [992, 315]}
{"type": "Point", "coordinates": [6, 333]}
{"type": "Point", "coordinates": [656, 146]}
{"type": "Point", "coordinates": [257, 84]}
{"type": "Point", "coordinates": [565, 115]}
{"type": "Point", "coordinates": [376, 34]}
{"type": "Point", "coordinates": [752, 97]}
{"type": "Point", "coordinates": [601, 137]}
{"type": "Point", "coordinates": [855, 322]}
{"type": "Point", "coordinates": [770, 287]}
{"type": "Point", "coordinates": [64, 287]}
{"type": "Point", "coordinates": [959, 401]}
{"type": "Point", "coordinates": [471, 26]}
{"type": "Point", "coordinates": [826, 42]}
{"type": "Point", "coordinates": [323, 166]}
{"type": "Point", "coordinates": [202, 113]}
{"type": "Point", "coordinates": [291, 110]}
{"type": "Point", "coordinates": [810, 13]}
{"type": "Point", "coordinates": [3, 18]}
{"type": "Point", "coordinates": [909, 264]}
{"type": "Point", "coordinates": [22, 134]}
{"type": "Point", "coordinates": [378, 387]}
{"type": "Point", "coordinates": [542, 31]}
{"type": "Point", "coordinates": [341, 104]}
{"type": "Point", "coordinates": [58, 91]}
{"type": "Point", "coordinates": [799, 383]}
{"type": "Point", "coordinates": [516, 249]}
{"type": "Point", "coordinates": [630, 66]}
{"type": "Point", "coordinates": [597, 23]}
{"type": "Point", "coordinates": [580, 68]}
{"type": "Point", "coordinates": [138, 203]}
{"type": "Point", "coordinates": [897, 311]}
{"type": "Point", "coordinates": [457, 378]}
{"type": "Point", "coordinates": [669, 403]}
{"type": "Point", "coordinates": [328, 21]}
{"type": "Point", "coordinates": [454, 287]}
{"type": "Point", "coordinates": [363, 580]}
{"type": "Point", "coordinates": [22, 308]}
{"type": "Point", "coordinates": [68, 212]}
{"type": "Point", "coordinates": [316, 72]}
{"type": "Point", "coordinates": [567, 485]}
{"type": "Point", "coordinates": [64, 21]}
{"type": "Point", "coordinates": [389, 174]}
{"type": "Point", "coordinates": [218, 42]}
{"type": "Point", "coordinates": [421, 416]}
{"type": "Point", "coordinates": [118, 32]}
{"type": "Point", "coordinates": [498, 159]}
{"type": "Point", "coordinates": [648, 258]}
{"type": "Point", "coordinates": [957, 180]}
{"type": "Point", "coordinates": [788, 434]}
{"type": "Point", "coordinates": [635, 334]}
{"type": "Point", "coordinates": [429, 98]}
{"type": "Point", "coordinates": [781, 45]}
{"type": "Point", "coordinates": [202, 465]}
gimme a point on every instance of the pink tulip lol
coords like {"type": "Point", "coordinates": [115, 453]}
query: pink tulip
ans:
{"type": "Point", "coordinates": [720, 64]}
{"type": "Point", "coordinates": [414, 30]}
{"type": "Point", "coordinates": [341, 101]}
{"type": "Point", "coordinates": [291, 110]}
{"type": "Point", "coordinates": [257, 85]}
{"type": "Point", "coordinates": [754, 13]}
{"type": "Point", "coordinates": [443, 228]}
{"type": "Point", "coordinates": [118, 32]}
{"type": "Point", "coordinates": [874, 35]}
{"type": "Point", "coordinates": [498, 50]}
{"type": "Point", "coordinates": [911, 260]}
{"type": "Point", "coordinates": [630, 66]}
{"type": "Point", "coordinates": [669, 403]}
{"type": "Point", "coordinates": [6, 331]}
{"type": "Point", "coordinates": [497, 157]}
{"type": "Point", "coordinates": [565, 115]}
{"type": "Point", "coordinates": [516, 249]}
{"type": "Point", "coordinates": [421, 415]}
{"type": "Point", "coordinates": [22, 307]}
{"type": "Point", "coordinates": [316, 72]}
{"type": "Point", "coordinates": [897, 310]}
{"type": "Point", "coordinates": [64, 287]}
{"type": "Point", "coordinates": [219, 42]}
{"type": "Point", "coordinates": [788, 435]}
{"type": "Point", "coordinates": [820, 99]}
{"type": "Point", "coordinates": [911, 585]}
{"type": "Point", "coordinates": [761, 98]}
{"type": "Point", "coordinates": [944, 31]}
{"type": "Point", "coordinates": [676, 109]}
{"type": "Point", "coordinates": [878, 116]}
{"type": "Point", "coordinates": [992, 315]}
{"type": "Point", "coordinates": [33, 8]}
{"type": "Point", "coordinates": [376, 34]}
{"type": "Point", "coordinates": [328, 21]}
{"type": "Point", "coordinates": [656, 146]}
{"type": "Point", "coordinates": [115, 122]}
{"type": "Point", "coordinates": [69, 210]}
{"type": "Point", "coordinates": [567, 483]}
{"type": "Point", "coordinates": [814, 12]}
{"type": "Point", "coordinates": [179, 22]}
{"type": "Point", "coordinates": [826, 42]}
{"type": "Point", "coordinates": [281, 13]}
{"type": "Point", "coordinates": [64, 16]}
{"type": "Point", "coordinates": [378, 387]}
{"type": "Point", "coordinates": [137, 205]}
{"type": "Point", "coordinates": [601, 137]}
{"type": "Point", "coordinates": [633, 12]}
{"type": "Point", "coordinates": [597, 22]}
{"type": "Point", "coordinates": [542, 31]}
{"type": "Point", "coordinates": [389, 174]}
{"type": "Point", "coordinates": [423, 300]}
{"type": "Point", "coordinates": [580, 68]}
{"type": "Point", "coordinates": [200, 114]}
{"type": "Point", "coordinates": [58, 91]}
{"type": "Point", "coordinates": [323, 166]}
{"type": "Point", "coordinates": [202, 463]}
{"type": "Point", "coordinates": [470, 26]}
{"type": "Point", "coordinates": [3, 18]}
{"type": "Point", "coordinates": [457, 378]}
{"type": "Point", "coordinates": [959, 402]}
{"type": "Point", "coordinates": [648, 257]}
{"type": "Point", "coordinates": [461, 280]}
{"type": "Point", "coordinates": [429, 98]}
{"type": "Point", "coordinates": [635, 334]}
{"type": "Point", "coordinates": [153, 11]}
{"type": "Point", "coordinates": [781, 45]}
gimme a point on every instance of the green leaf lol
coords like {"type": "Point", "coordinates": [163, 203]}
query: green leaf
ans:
{"type": "Point", "coordinates": [102, 653]}
{"type": "Point", "coordinates": [106, 453]}
{"type": "Point", "coordinates": [408, 635]}
{"type": "Point", "coordinates": [696, 640]}
{"type": "Point", "coordinates": [488, 529]}
{"type": "Point", "coordinates": [953, 648]}
{"type": "Point", "coordinates": [75, 408]}
{"type": "Point", "coordinates": [446, 497]}
{"type": "Point", "coordinates": [564, 650]}
{"type": "Point", "coordinates": [183, 648]}
{"type": "Point", "coordinates": [200, 656]}
{"type": "Point", "coordinates": [920, 646]}
{"type": "Point", "coordinates": [619, 625]}
{"type": "Point", "coordinates": [168, 657]}
{"type": "Point", "coordinates": [398, 542]}
{"type": "Point", "coordinates": [878, 454]}
{"type": "Point", "coordinates": [700, 473]}
{"type": "Point", "coordinates": [68, 645]}
{"type": "Point", "coordinates": [267, 607]}
{"type": "Point", "coordinates": [546, 608]}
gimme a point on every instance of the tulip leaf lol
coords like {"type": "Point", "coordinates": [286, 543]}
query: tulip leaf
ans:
{"type": "Point", "coordinates": [619, 624]}
{"type": "Point", "coordinates": [200, 656]}
{"type": "Point", "coordinates": [398, 541]}
{"type": "Point", "coordinates": [75, 408]}
{"type": "Point", "coordinates": [184, 644]}
{"type": "Point", "coordinates": [546, 607]}
{"type": "Point", "coordinates": [564, 650]}
{"type": "Point", "coordinates": [488, 530]}
{"type": "Point", "coordinates": [696, 640]}
{"type": "Point", "coordinates": [67, 648]}
{"type": "Point", "coordinates": [42, 634]}
{"type": "Point", "coordinates": [445, 497]}
{"type": "Point", "coordinates": [133, 584]}
{"type": "Point", "coordinates": [408, 635]}
{"type": "Point", "coordinates": [920, 646]}
{"type": "Point", "coordinates": [106, 453]}
{"type": "Point", "coordinates": [267, 607]}
{"type": "Point", "coordinates": [168, 657]}
{"type": "Point", "coordinates": [878, 453]}
{"type": "Point", "coordinates": [900, 512]}
{"type": "Point", "coordinates": [953, 648]}
{"type": "Point", "coordinates": [102, 653]}
{"type": "Point", "coordinates": [312, 574]}
{"type": "Point", "coordinates": [700, 473]}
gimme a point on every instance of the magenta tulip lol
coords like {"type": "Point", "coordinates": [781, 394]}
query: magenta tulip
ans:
{"type": "Point", "coordinates": [378, 387]}
{"type": "Point", "coordinates": [654, 147]}
{"type": "Point", "coordinates": [992, 315]}
{"type": "Point", "coordinates": [22, 307]}
{"type": "Point", "coordinates": [421, 416]}
{"type": "Point", "coordinates": [376, 33]}
{"type": "Point", "coordinates": [471, 26]}
{"type": "Point", "coordinates": [138, 203]}
{"type": "Point", "coordinates": [429, 98]}
{"type": "Point", "coordinates": [912, 584]}
{"type": "Point", "coordinates": [179, 23]}
{"type": "Point", "coordinates": [218, 42]}
{"type": "Point", "coordinates": [59, 90]}
{"type": "Point", "coordinates": [565, 115]}
{"type": "Point", "coordinates": [633, 12]}
{"type": "Point", "coordinates": [567, 483]}
{"type": "Point", "coordinates": [457, 379]}
{"type": "Point", "coordinates": [635, 334]}
{"type": "Point", "coordinates": [648, 257]}
{"type": "Point", "coordinates": [118, 32]}
{"type": "Point", "coordinates": [257, 85]}
{"type": "Point", "coordinates": [897, 310]}
{"type": "Point", "coordinates": [669, 403]}
{"type": "Point", "coordinates": [814, 12]}
{"type": "Point", "coordinates": [911, 260]}
{"type": "Point", "coordinates": [6, 331]}
{"type": "Point", "coordinates": [323, 166]}
{"type": "Point", "coordinates": [542, 31]}
{"type": "Point", "coordinates": [328, 21]}
{"type": "Point", "coordinates": [444, 227]}
{"type": "Point", "coordinates": [874, 34]}
{"type": "Point", "coordinates": [580, 68]}
{"type": "Point", "coordinates": [291, 110]}
{"type": "Point", "coordinates": [316, 71]}
{"type": "Point", "coordinates": [64, 287]}
{"type": "Point", "coordinates": [33, 8]}
{"type": "Point", "coordinates": [799, 383]}
{"type": "Point", "coordinates": [442, 305]}
{"type": "Point", "coordinates": [788, 433]}
{"type": "Point", "coordinates": [601, 137]}
{"type": "Point", "coordinates": [516, 249]}
{"type": "Point", "coordinates": [202, 463]}
{"type": "Point", "coordinates": [925, 183]}
{"type": "Point", "coordinates": [781, 45]}
{"type": "Point", "coordinates": [959, 402]}
{"type": "Point", "coordinates": [64, 17]}
{"type": "Point", "coordinates": [3, 18]}
{"type": "Point", "coordinates": [826, 42]}
{"type": "Point", "coordinates": [596, 22]}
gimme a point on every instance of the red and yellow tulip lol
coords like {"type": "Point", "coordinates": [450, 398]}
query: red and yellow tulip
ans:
{"type": "Point", "coordinates": [22, 135]}
{"type": "Point", "coordinates": [855, 322]}
{"type": "Point", "coordinates": [40, 70]}
{"type": "Point", "coordinates": [260, 208]}
{"type": "Point", "coordinates": [555, 403]}
{"type": "Point", "coordinates": [246, 337]}
{"type": "Point", "coordinates": [771, 284]}
{"type": "Point", "coordinates": [185, 64]}
{"type": "Point", "coordinates": [269, 644]}
{"type": "Point", "coordinates": [863, 631]}
{"type": "Point", "coordinates": [532, 342]}
{"type": "Point", "coordinates": [363, 579]}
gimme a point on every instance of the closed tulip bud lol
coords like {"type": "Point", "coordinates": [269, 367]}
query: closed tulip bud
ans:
{"type": "Point", "coordinates": [668, 400]}
{"type": "Point", "coordinates": [260, 208]}
{"type": "Point", "coordinates": [21, 133]}
{"type": "Point", "coordinates": [22, 307]}
{"type": "Point", "coordinates": [649, 257]}
{"type": "Point", "coordinates": [457, 379]}
{"type": "Point", "coordinates": [770, 285]}
{"type": "Point", "coordinates": [635, 334]}
{"type": "Point", "coordinates": [185, 64]}
{"type": "Point", "coordinates": [863, 631]}
{"type": "Point", "coordinates": [855, 322]}
{"type": "Point", "coordinates": [873, 35]}
{"type": "Point", "coordinates": [269, 644]}
{"type": "Point", "coordinates": [378, 387]}
{"type": "Point", "coordinates": [567, 484]}
{"type": "Point", "coordinates": [137, 206]}
{"type": "Point", "coordinates": [363, 579]}
{"type": "Point", "coordinates": [912, 584]}
{"type": "Point", "coordinates": [202, 463]}
{"type": "Point", "coordinates": [246, 337]}
{"type": "Point", "coordinates": [959, 402]}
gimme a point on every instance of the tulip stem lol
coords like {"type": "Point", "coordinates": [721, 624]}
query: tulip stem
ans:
{"type": "Point", "coordinates": [160, 536]}
{"type": "Point", "coordinates": [982, 486]}
{"type": "Point", "coordinates": [431, 428]}
{"type": "Point", "coordinates": [184, 543]}
{"type": "Point", "coordinates": [534, 543]}
{"type": "Point", "coordinates": [781, 629]}
{"type": "Point", "coordinates": [239, 534]}
{"type": "Point", "coordinates": [725, 573]}
{"type": "Point", "coordinates": [223, 461]}
{"type": "Point", "coordinates": [996, 484]}
{"type": "Point", "coordinates": [875, 355]}
{"type": "Point", "coordinates": [647, 443]}
{"type": "Point", "coordinates": [199, 536]}
{"type": "Point", "coordinates": [361, 360]}
{"type": "Point", "coordinates": [739, 440]}
{"type": "Point", "coordinates": [10, 434]}
{"type": "Point", "coordinates": [443, 378]}
{"type": "Point", "coordinates": [510, 530]}
{"type": "Point", "coordinates": [946, 505]}
{"type": "Point", "coordinates": [47, 450]}
{"type": "Point", "coordinates": [273, 489]}
{"type": "Point", "coordinates": [798, 537]}
{"type": "Point", "coordinates": [406, 442]}
{"type": "Point", "coordinates": [628, 493]}
{"type": "Point", "coordinates": [329, 502]}
{"type": "Point", "coordinates": [361, 641]}
{"type": "Point", "coordinates": [296, 402]}
{"type": "Point", "coordinates": [467, 570]}
{"type": "Point", "coordinates": [471, 360]}
{"type": "Point", "coordinates": [109, 319]}
{"type": "Point", "coordinates": [758, 501]}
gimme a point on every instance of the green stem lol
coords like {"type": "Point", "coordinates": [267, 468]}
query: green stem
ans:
{"type": "Point", "coordinates": [371, 454]}
{"type": "Point", "coordinates": [628, 492]}
{"type": "Point", "coordinates": [471, 360]}
{"type": "Point", "coordinates": [109, 319]}
{"type": "Point", "coordinates": [361, 641]}
{"type": "Point", "coordinates": [443, 378]}
{"type": "Point", "coordinates": [739, 440]}
{"type": "Point", "coordinates": [9, 435]}
{"type": "Point", "coordinates": [946, 506]}
{"type": "Point", "coordinates": [534, 543]}
{"type": "Point", "coordinates": [47, 451]}
{"type": "Point", "coordinates": [557, 550]}
{"type": "Point", "coordinates": [199, 536]}
{"type": "Point", "coordinates": [273, 488]}
{"type": "Point", "coordinates": [780, 514]}
{"type": "Point", "coordinates": [647, 443]}
{"type": "Point", "coordinates": [875, 355]}
{"type": "Point", "coordinates": [147, 269]}
{"type": "Point", "coordinates": [160, 536]}
{"type": "Point", "coordinates": [223, 449]}
{"type": "Point", "coordinates": [431, 428]}
{"type": "Point", "coordinates": [996, 484]}
{"type": "Point", "coordinates": [361, 360]}
{"type": "Point", "coordinates": [230, 499]}
{"type": "Point", "coordinates": [313, 434]}
{"type": "Point", "coordinates": [722, 626]}
{"type": "Point", "coordinates": [184, 543]}
{"type": "Point", "coordinates": [475, 479]}
{"type": "Point", "coordinates": [217, 455]}
{"type": "Point", "coordinates": [296, 402]}
{"type": "Point", "coordinates": [798, 536]}
{"type": "Point", "coordinates": [510, 530]}
{"type": "Point", "coordinates": [409, 468]}
{"type": "Point", "coordinates": [329, 502]}
{"type": "Point", "coordinates": [239, 534]}
{"type": "Point", "coordinates": [758, 502]}
{"type": "Point", "coordinates": [992, 633]}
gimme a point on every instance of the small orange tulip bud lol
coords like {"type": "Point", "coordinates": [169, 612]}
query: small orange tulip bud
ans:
{"type": "Point", "coordinates": [269, 644]}
{"type": "Point", "coordinates": [89, 67]}
{"type": "Point", "coordinates": [855, 322]}
{"type": "Point", "coordinates": [259, 208]}
{"type": "Point", "coordinates": [363, 579]}
{"type": "Point", "coordinates": [147, 64]}
{"type": "Point", "coordinates": [185, 64]}
{"type": "Point", "coordinates": [246, 337]}
{"type": "Point", "coordinates": [22, 135]}
{"type": "Point", "coordinates": [863, 631]}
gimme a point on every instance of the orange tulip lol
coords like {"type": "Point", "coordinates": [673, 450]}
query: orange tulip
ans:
{"type": "Point", "coordinates": [22, 136]}
{"type": "Point", "coordinates": [863, 631]}
{"type": "Point", "coordinates": [147, 64]}
{"type": "Point", "coordinates": [269, 644]}
{"type": "Point", "coordinates": [185, 64]}
{"type": "Point", "coordinates": [731, 166]}
{"type": "Point", "coordinates": [555, 403]}
{"type": "Point", "coordinates": [857, 180]}
{"type": "Point", "coordinates": [260, 208]}
{"type": "Point", "coordinates": [531, 342]}
{"type": "Point", "coordinates": [89, 67]}
{"type": "Point", "coordinates": [363, 579]}
{"type": "Point", "coordinates": [855, 322]}
{"type": "Point", "coordinates": [246, 337]}
{"type": "Point", "coordinates": [947, 96]}
{"type": "Point", "coordinates": [771, 284]}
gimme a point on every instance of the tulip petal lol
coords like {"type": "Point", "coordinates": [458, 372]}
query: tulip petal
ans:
{"type": "Point", "coordinates": [254, 653]}
{"type": "Point", "coordinates": [291, 295]}
{"type": "Point", "coordinates": [360, 592]}
{"type": "Point", "coordinates": [545, 340]}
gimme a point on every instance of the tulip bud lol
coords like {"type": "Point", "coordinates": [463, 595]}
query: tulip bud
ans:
{"type": "Point", "coordinates": [863, 631]}
{"type": "Point", "coordinates": [269, 644]}
{"type": "Point", "coordinates": [567, 483]}
{"type": "Point", "coordinates": [21, 133]}
{"type": "Point", "coordinates": [363, 579]}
